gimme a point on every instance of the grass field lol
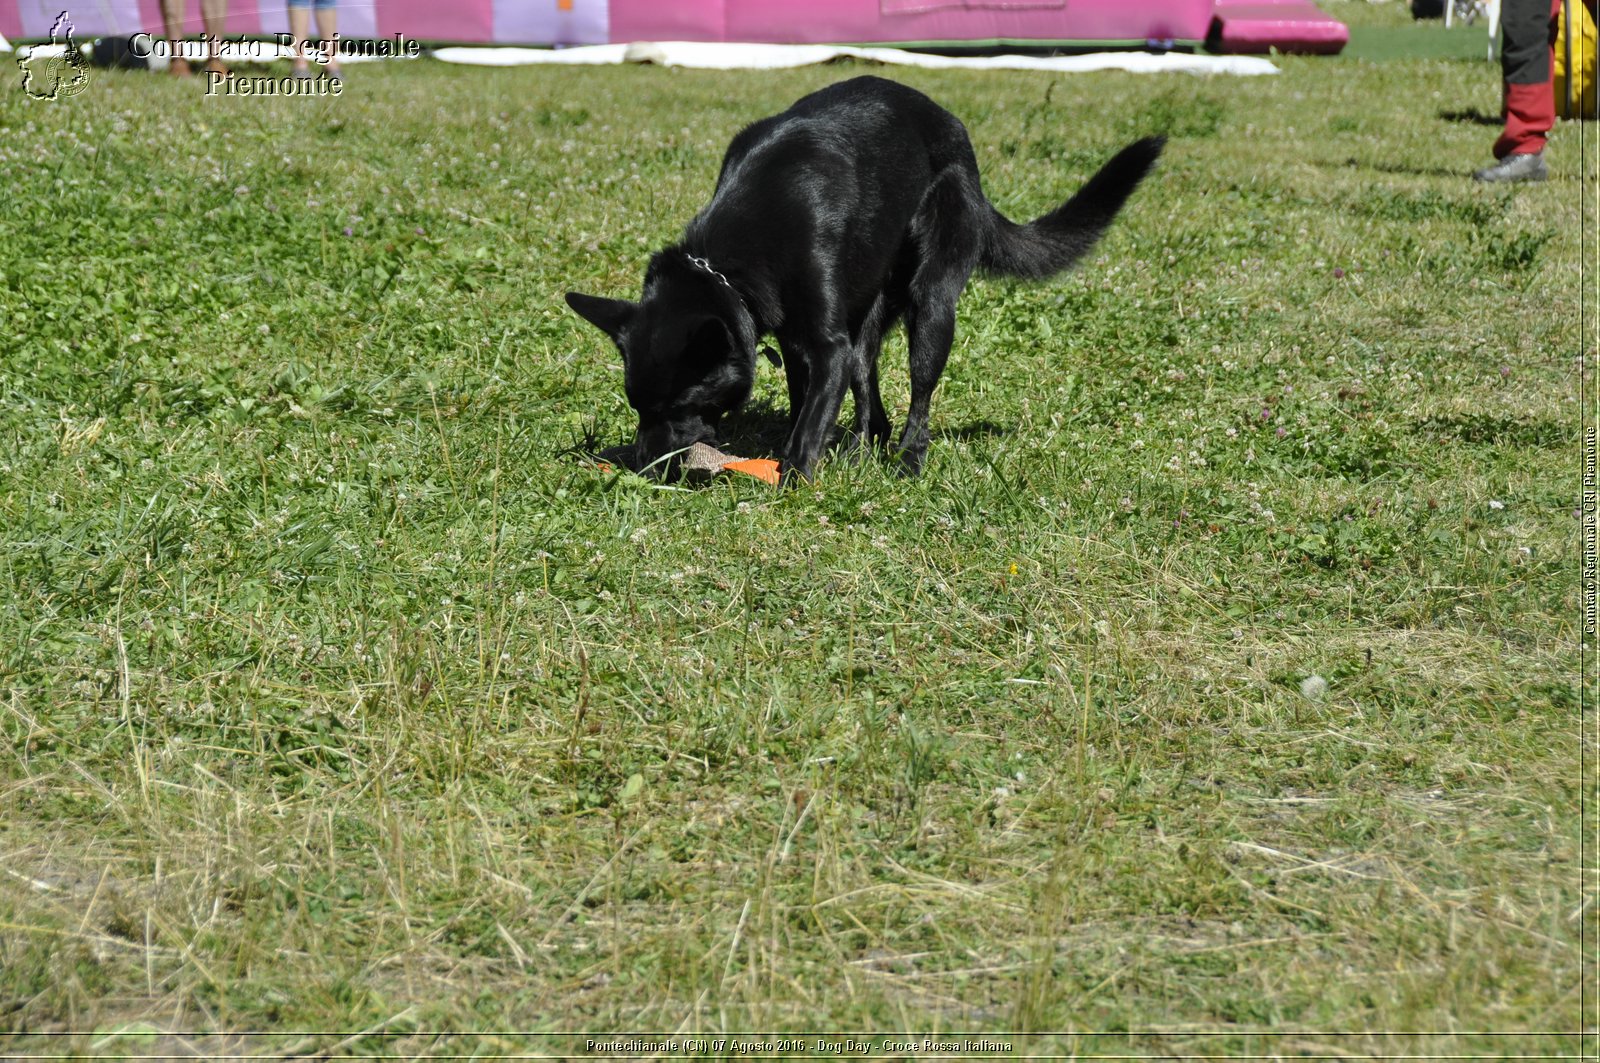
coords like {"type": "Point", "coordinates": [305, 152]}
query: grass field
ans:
{"type": "Point", "coordinates": [336, 694]}
{"type": "Point", "coordinates": [1386, 31]}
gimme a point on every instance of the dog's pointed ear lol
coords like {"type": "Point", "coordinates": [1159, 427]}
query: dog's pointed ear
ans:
{"type": "Point", "coordinates": [610, 316]}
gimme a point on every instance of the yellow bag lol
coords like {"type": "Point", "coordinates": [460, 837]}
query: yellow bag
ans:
{"type": "Point", "coordinates": [1581, 103]}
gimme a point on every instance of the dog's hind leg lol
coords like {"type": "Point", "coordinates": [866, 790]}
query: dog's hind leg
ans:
{"type": "Point", "coordinates": [930, 329]}
{"type": "Point", "coordinates": [878, 427]}
{"type": "Point", "coordinates": [871, 422]}
{"type": "Point", "coordinates": [946, 234]}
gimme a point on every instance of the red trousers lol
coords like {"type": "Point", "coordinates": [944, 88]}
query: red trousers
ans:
{"type": "Point", "coordinates": [1526, 61]}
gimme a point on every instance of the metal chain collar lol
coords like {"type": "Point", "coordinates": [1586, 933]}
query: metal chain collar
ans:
{"type": "Point", "coordinates": [699, 263]}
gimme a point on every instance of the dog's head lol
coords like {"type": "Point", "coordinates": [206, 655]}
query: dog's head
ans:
{"type": "Point", "coordinates": [688, 353]}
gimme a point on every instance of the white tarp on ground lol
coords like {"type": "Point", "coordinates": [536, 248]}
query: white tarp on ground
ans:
{"type": "Point", "coordinates": [706, 56]}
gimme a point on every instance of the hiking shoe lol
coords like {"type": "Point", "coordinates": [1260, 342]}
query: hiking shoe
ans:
{"type": "Point", "coordinates": [1528, 166]}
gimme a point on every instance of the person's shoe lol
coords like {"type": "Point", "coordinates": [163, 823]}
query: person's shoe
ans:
{"type": "Point", "coordinates": [1528, 166]}
{"type": "Point", "coordinates": [215, 66]}
{"type": "Point", "coordinates": [180, 67]}
{"type": "Point", "coordinates": [302, 70]}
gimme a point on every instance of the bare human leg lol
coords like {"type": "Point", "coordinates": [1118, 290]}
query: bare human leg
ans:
{"type": "Point", "coordinates": [215, 15]}
{"type": "Point", "coordinates": [327, 27]}
{"type": "Point", "coordinates": [172, 23]}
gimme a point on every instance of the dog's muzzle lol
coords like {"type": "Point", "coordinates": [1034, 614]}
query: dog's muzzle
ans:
{"type": "Point", "coordinates": [655, 441]}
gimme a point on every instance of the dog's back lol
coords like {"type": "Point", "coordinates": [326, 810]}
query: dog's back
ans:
{"type": "Point", "coordinates": [832, 183]}
{"type": "Point", "coordinates": [846, 169]}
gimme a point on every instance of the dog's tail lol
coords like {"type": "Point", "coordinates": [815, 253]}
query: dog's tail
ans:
{"type": "Point", "coordinates": [1050, 244]}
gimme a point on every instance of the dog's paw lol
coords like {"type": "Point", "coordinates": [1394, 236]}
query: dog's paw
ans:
{"type": "Point", "coordinates": [910, 463]}
{"type": "Point", "coordinates": [793, 475]}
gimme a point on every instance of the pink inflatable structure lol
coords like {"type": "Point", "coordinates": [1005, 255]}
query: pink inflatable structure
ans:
{"type": "Point", "coordinates": [928, 23]}
{"type": "Point", "coordinates": [996, 24]}
{"type": "Point", "coordinates": [1287, 25]}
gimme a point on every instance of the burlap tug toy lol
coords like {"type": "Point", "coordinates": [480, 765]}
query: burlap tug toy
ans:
{"type": "Point", "coordinates": [700, 463]}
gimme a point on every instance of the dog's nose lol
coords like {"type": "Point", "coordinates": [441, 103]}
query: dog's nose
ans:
{"type": "Point", "coordinates": [651, 443]}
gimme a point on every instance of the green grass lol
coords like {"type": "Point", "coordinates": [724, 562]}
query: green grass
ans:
{"type": "Point", "coordinates": [336, 694]}
{"type": "Point", "coordinates": [1385, 32]}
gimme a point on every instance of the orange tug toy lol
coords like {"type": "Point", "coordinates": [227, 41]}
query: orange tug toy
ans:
{"type": "Point", "coordinates": [702, 462]}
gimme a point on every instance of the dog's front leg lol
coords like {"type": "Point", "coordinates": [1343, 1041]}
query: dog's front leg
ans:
{"type": "Point", "coordinates": [829, 372]}
{"type": "Point", "coordinates": [796, 375]}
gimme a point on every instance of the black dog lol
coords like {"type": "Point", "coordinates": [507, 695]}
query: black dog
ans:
{"type": "Point", "coordinates": [857, 207]}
